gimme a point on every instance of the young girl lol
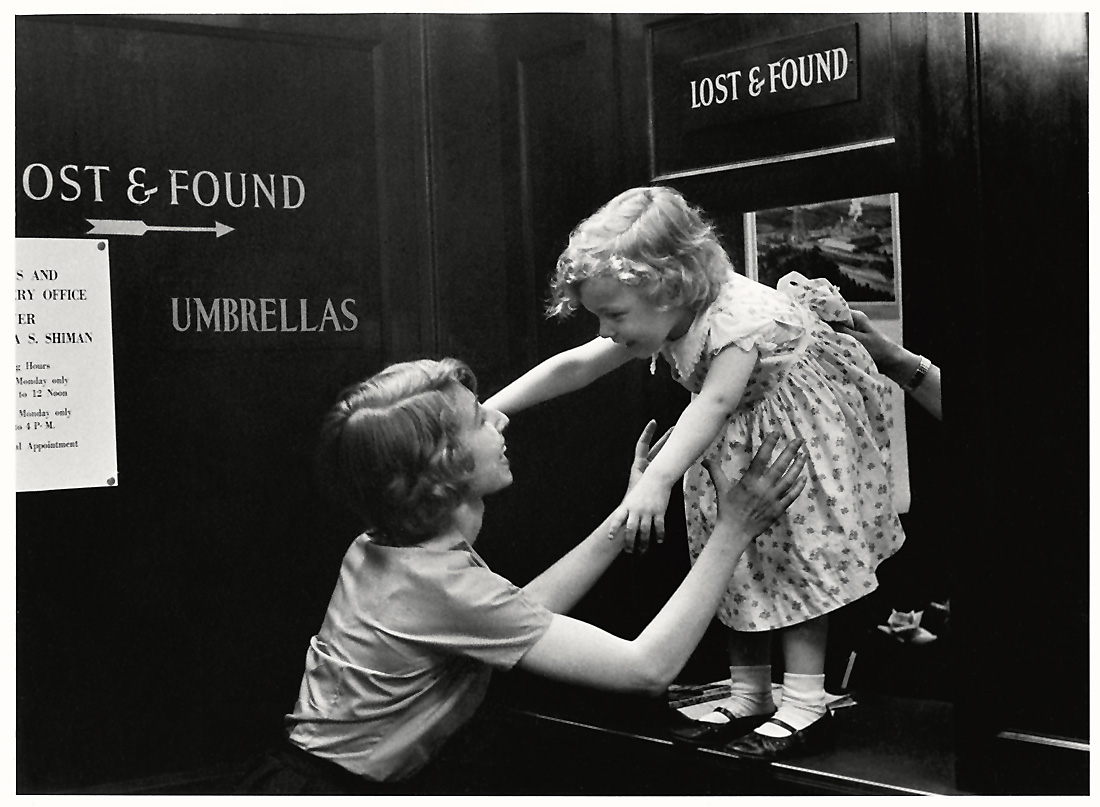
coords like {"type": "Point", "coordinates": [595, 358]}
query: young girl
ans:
{"type": "Point", "coordinates": [756, 359]}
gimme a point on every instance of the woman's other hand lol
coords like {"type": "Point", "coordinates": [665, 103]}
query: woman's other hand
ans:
{"type": "Point", "coordinates": [889, 356]}
{"type": "Point", "coordinates": [763, 492]}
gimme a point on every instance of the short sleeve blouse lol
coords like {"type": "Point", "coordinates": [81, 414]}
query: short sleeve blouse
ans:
{"type": "Point", "coordinates": [403, 657]}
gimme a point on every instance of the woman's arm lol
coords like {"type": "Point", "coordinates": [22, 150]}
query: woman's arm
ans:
{"type": "Point", "coordinates": [561, 586]}
{"type": "Point", "coordinates": [580, 653]}
{"type": "Point", "coordinates": [565, 372]}
{"type": "Point", "coordinates": [696, 428]}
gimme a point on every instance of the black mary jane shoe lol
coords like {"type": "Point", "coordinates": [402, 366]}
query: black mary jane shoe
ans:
{"type": "Point", "coordinates": [703, 733]}
{"type": "Point", "coordinates": [818, 736]}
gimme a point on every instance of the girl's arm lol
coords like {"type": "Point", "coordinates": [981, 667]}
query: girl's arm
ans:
{"type": "Point", "coordinates": [579, 653]}
{"type": "Point", "coordinates": [568, 371]}
{"type": "Point", "coordinates": [696, 428]}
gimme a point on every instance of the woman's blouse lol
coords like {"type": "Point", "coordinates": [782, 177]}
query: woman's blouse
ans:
{"type": "Point", "coordinates": [404, 655]}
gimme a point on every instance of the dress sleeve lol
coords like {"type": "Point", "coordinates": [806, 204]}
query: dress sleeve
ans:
{"type": "Point", "coordinates": [753, 318]}
{"type": "Point", "coordinates": [481, 615]}
{"type": "Point", "coordinates": [818, 294]}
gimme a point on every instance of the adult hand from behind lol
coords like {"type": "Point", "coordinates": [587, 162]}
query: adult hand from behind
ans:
{"type": "Point", "coordinates": [763, 492]}
{"type": "Point", "coordinates": [644, 453]}
{"type": "Point", "coordinates": [883, 350]}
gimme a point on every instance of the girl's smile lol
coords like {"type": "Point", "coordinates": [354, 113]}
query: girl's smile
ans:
{"type": "Point", "coordinates": [630, 318]}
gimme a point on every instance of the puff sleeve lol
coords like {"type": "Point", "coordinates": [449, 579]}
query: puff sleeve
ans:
{"type": "Point", "coordinates": [819, 295]}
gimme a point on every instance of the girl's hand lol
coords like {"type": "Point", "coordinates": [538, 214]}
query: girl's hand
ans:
{"type": "Point", "coordinates": [642, 512]}
{"type": "Point", "coordinates": [764, 491]}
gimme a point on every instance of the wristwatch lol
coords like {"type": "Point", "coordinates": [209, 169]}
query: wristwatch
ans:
{"type": "Point", "coordinates": [918, 375]}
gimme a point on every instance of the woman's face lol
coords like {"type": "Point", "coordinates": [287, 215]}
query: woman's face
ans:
{"type": "Point", "coordinates": [482, 435]}
{"type": "Point", "coordinates": [629, 318]}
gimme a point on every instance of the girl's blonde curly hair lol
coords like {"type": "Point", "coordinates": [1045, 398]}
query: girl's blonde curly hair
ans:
{"type": "Point", "coordinates": [650, 238]}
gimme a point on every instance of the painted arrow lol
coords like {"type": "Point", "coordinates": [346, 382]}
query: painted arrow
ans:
{"type": "Point", "coordinates": [130, 227]}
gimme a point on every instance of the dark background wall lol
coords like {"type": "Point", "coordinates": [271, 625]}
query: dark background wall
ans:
{"type": "Point", "coordinates": [161, 624]}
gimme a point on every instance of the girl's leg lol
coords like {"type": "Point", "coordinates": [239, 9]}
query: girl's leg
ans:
{"type": "Point", "coordinates": [750, 678]}
{"type": "Point", "coordinates": [803, 677]}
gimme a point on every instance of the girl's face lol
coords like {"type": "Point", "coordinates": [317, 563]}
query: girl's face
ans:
{"type": "Point", "coordinates": [629, 318]}
{"type": "Point", "coordinates": [482, 435]}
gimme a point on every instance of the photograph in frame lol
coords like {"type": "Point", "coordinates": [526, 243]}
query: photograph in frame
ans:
{"type": "Point", "coordinates": [853, 243]}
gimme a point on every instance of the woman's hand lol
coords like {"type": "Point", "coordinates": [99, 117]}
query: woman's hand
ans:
{"type": "Point", "coordinates": [644, 454]}
{"type": "Point", "coordinates": [765, 490]}
{"type": "Point", "coordinates": [887, 354]}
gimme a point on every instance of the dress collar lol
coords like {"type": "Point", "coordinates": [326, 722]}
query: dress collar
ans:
{"type": "Point", "coordinates": [684, 353]}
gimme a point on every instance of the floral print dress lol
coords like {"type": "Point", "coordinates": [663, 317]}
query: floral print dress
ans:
{"type": "Point", "coordinates": [813, 383]}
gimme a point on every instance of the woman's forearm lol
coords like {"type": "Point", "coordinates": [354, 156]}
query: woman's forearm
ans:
{"type": "Point", "coordinates": [667, 642]}
{"type": "Point", "coordinates": [562, 586]}
{"type": "Point", "coordinates": [900, 365]}
{"type": "Point", "coordinates": [580, 653]}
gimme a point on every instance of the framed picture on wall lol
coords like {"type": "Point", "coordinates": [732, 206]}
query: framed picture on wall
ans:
{"type": "Point", "coordinates": [853, 243]}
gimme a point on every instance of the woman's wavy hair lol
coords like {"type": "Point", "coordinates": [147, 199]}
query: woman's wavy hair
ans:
{"type": "Point", "coordinates": [650, 238]}
{"type": "Point", "coordinates": [390, 449]}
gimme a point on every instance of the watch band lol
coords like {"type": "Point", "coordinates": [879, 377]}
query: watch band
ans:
{"type": "Point", "coordinates": [918, 375]}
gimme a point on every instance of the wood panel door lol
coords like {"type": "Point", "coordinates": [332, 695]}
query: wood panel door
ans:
{"type": "Point", "coordinates": [161, 622]}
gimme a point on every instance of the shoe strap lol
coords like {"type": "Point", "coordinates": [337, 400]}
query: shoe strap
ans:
{"type": "Point", "coordinates": [722, 710]}
{"type": "Point", "coordinates": [783, 724]}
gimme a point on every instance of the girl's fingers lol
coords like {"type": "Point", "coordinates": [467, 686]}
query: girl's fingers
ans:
{"type": "Point", "coordinates": [630, 537]}
{"type": "Point", "coordinates": [617, 519]}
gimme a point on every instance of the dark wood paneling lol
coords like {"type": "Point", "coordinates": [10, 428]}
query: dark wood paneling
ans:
{"type": "Point", "coordinates": [467, 192]}
{"type": "Point", "coordinates": [1034, 168]}
{"type": "Point", "coordinates": [161, 622]}
{"type": "Point", "coordinates": [563, 154]}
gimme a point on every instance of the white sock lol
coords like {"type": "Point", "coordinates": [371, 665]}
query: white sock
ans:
{"type": "Point", "coordinates": [750, 694]}
{"type": "Point", "coordinates": [803, 704]}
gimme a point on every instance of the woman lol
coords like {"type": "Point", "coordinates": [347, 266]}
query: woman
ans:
{"type": "Point", "coordinates": [417, 621]}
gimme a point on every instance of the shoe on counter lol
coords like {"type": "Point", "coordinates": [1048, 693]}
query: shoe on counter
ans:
{"type": "Point", "coordinates": [818, 736]}
{"type": "Point", "coordinates": [705, 733]}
